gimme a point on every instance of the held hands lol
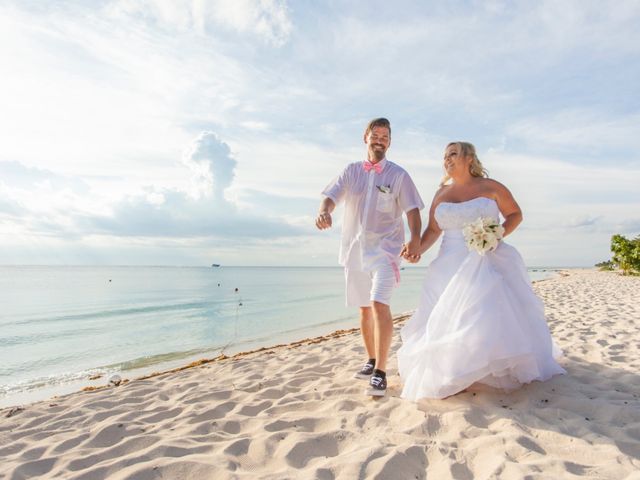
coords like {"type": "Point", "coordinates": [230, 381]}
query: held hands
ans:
{"type": "Point", "coordinates": [323, 220]}
{"type": "Point", "coordinates": [411, 251]}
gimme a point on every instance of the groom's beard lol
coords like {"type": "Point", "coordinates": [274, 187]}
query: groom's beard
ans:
{"type": "Point", "coordinates": [378, 154]}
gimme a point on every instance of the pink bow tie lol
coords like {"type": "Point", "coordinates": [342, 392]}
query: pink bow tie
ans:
{"type": "Point", "coordinates": [368, 166]}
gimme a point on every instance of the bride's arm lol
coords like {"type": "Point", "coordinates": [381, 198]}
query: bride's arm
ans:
{"type": "Point", "coordinates": [509, 208]}
{"type": "Point", "coordinates": [429, 236]}
{"type": "Point", "coordinates": [432, 232]}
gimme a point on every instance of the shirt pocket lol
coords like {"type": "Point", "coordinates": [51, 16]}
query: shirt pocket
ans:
{"type": "Point", "coordinates": [385, 202]}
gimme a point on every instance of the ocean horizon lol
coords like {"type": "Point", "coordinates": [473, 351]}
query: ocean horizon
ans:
{"type": "Point", "coordinates": [63, 325]}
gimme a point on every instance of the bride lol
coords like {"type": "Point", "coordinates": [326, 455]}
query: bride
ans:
{"type": "Point", "coordinates": [478, 320]}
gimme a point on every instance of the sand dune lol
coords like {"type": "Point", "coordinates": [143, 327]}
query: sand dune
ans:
{"type": "Point", "coordinates": [296, 412]}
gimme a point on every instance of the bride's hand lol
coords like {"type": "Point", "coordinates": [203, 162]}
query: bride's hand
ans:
{"type": "Point", "coordinates": [413, 259]}
{"type": "Point", "coordinates": [404, 253]}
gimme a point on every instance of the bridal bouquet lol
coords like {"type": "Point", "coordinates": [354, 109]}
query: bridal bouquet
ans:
{"type": "Point", "coordinates": [483, 234]}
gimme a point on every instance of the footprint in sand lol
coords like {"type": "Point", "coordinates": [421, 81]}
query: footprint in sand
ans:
{"type": "Point", "coordinates": [197, 397]}
{"type": "Point", "coordinates": [213, 414]}
{"type": "Point", "coordinates": [69, 444]}
{"type": "Point", "coordinates": [304, 451]}
{"type": "Point", "coordinates": [411, 463]}
{"type": "Point", "coordinates": [12, 448]}
{"type": "Point", "coordinates": [629, 448]}
{"type": "Point", "coordinates": [576, 468]}
{"type": "Point", "coordinates": [253, 410]}
{"type": "Point", "coordinates": [301, 424]}
{"type": "Point", "coordinates": [107, 436]}
{"type": "Point", "coordinates": [239, 447]}
{"type": "Point", "coordinates": [324, 474]}
{"type": "Point", "coordinates": [231, 427]}
{"type": "Point", "coordinates": [129, 446]}
{"type": "Point", "coordinates": [460, 471]}
{"type": "Point", "coordinates": [530, 445]}
{"type": "Point", "coordinates": [270, 393]}
{"type": "Point", "coordinates": [162, 415]}
{"type": "Point", "coordinates": [34, 453]}
{"type": "Point", "coordinates": [34, 469]}
{"type": "Point", "coordinates": [476, 418]}
{"type": "Point", "coordinates": [619, 358]}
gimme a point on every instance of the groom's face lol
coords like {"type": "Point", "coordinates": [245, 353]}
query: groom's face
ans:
{"type": "Point", "coordinates": [378, 141]}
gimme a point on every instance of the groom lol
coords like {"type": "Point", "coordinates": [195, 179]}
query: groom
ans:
{"type": "Point", "coordinates": [375, 192]}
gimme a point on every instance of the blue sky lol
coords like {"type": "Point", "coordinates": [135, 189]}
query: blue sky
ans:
{"type": "Point", "coordinates": [169, 132]}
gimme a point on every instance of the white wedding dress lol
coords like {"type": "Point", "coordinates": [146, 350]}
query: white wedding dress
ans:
{"type": "Point", "coordinates": [478, 320]}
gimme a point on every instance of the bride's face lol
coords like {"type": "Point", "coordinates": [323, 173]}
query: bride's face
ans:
{"type": "Point", "coordinates": [454, 163]}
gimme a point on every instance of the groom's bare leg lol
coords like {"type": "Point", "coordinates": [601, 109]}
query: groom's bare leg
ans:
{"type": "Point", "coordinates": [383, 334]}
{"type": "Point", "coordinates": [367, 330]}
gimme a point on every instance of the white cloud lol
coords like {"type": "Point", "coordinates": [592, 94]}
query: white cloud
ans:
{"type": "Point", "coordinates": [70, 100]}
{"type": "Point", "coordinates": [581, 131]}
{"type": "Point", "coordinates": [211, 164]}
{"type": "Point", "coordinates": [99, 103]}
{"type": "Point", "coordinates": [181, 216]}
{"type": "Point", "coordinates": [255, 125]}
{"type": "Point", "coordinates": [628, 226]}
{"type": "Point", "coordinates": [581, 221]}
{"type": "Point", "coordinates": [265, 19]}
{"type": "Point", "coordinates": [40, 202]}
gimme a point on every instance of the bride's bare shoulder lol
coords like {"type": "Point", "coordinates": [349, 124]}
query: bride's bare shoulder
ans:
{"type": "Point", "coordinates": [440, 194]}
{"type": "Point", "coordinates": [493, 186]}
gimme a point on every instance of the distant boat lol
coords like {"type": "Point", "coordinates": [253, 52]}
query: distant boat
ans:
{"type": "Point", "coordinates": [215, 264]}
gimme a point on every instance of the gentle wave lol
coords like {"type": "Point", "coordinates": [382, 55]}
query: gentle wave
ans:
{"type": "Point", "coordinates": [148, 361]}
{"type": "Point", "coordinates": [163, 358]}
{"type": "Point", "coordinates": [119, 312]}
{"type": "Point", "coordinates": [50, 381]}
{"type": "Point", "coordinates": [16, 340]}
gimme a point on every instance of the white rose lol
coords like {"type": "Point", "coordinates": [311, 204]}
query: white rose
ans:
{"type": "Point", "coordinates": [483, 234]}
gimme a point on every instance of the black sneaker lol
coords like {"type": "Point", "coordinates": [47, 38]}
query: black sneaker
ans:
{"type": "Point", "coordinates": [365, 372]}
{"type": "Point", "coordinates": [377, 386]}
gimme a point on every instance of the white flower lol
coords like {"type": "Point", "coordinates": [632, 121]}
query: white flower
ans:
{"type": "Point", "coordinates": [483, 234]}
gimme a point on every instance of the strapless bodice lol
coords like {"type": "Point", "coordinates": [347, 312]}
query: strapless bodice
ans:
{"type": "Point", "coordinates": [453, 216]}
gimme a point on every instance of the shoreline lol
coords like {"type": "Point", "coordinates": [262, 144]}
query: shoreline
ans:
{"type": "Point", "coordinates": [295, 411]}
{"type": "Point", "coordinates": [101, 380]}
{"type": "Point", "coordinates": [144, 374]}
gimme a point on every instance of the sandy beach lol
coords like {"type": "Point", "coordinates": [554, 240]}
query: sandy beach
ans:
{"type": "Point", "coordinates": [295, 411]}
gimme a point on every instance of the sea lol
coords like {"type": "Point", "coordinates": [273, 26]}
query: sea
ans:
{"type": "Point", "coordinates": [63, 328]}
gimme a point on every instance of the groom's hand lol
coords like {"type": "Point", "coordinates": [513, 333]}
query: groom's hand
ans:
{"type": "Point", "coordinates": [413, 250]}
{"type": "Point", "coordinates": [323, 220]}
{"type": "Point", "coordinates": [405, 253]}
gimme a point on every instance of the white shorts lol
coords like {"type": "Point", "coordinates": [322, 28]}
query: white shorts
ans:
{"type": "Point", "coordinates": [362, 288]}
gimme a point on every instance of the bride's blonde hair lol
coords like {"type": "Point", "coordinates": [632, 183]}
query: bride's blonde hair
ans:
{"type": "Point", "coordinates": [475, 167]}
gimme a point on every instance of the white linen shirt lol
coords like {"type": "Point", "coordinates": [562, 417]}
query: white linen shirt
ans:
{"type": "Point", "coordinates": [372, 228]}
